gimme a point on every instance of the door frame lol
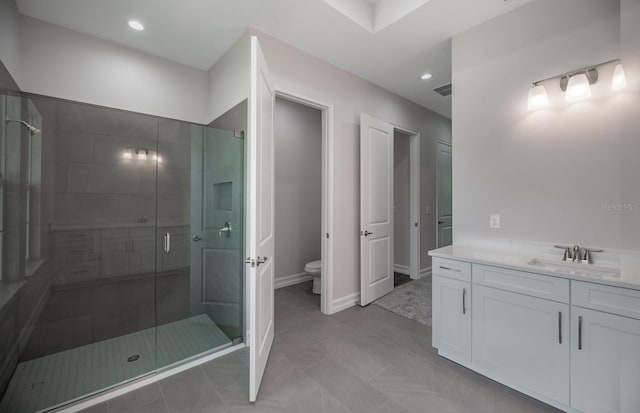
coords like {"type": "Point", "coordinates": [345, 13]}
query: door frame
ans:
{"type": "Point", "coordinates": [326, 249]}
{"type": "Point", "coordinates": [437, 217]}
{"type": "Point", "coordinates": [414, 200]}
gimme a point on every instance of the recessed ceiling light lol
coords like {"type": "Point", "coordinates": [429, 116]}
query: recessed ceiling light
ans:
{"type": "Point", "coordinates": [136, 25]}
{"type": "Point", "coordinates": [426, 76]}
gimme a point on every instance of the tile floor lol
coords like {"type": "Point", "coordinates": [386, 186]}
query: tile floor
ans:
{"type": "Point", "coordinates": [360, 360]}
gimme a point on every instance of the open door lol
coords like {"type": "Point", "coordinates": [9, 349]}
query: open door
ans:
{"type": "Point", "coordinates": [444, 182]}
{"type": "Point", "coordinates": [260, 243]}
{"type": "Point", "coordinates": [376, 209]}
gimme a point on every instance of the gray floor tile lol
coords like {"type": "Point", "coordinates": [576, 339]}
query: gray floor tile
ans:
{"type": "Point", "coordinates": [226, 370]}
{"type": "Point", "coordinates": [157, 406]}
{"type": "Point", "coordinates": [191, 392]}
{"type": "Point", "coordinates": [354, 357]}
{"type": "Point", "coordinates": [299, 349]}
{"type": "Point", "coordinates": [236, 399]}
{"type": "Point", "coordinates": [98, 408]}
{"type": "Point", "coordinates": [318, 401]}
{"type": "Point", "coordinates": [135, 399]}
{"type": "Point", "coordinates": [288, 382]}
{"type": "Point", "coordinates": [411, 394]}
{"type": "Point", "coordinates": [346, 387]}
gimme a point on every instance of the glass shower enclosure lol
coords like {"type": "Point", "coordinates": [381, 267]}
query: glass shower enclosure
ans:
{"type": "Point", "coordinates": [121, 247]}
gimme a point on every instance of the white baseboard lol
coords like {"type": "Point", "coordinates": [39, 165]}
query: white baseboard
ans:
{"type": "Point", "coordinates": [425, 272]}
{"type": "Point", "coordinates": [289, 280]}
{"type": "Point", "coordinates": [344, 303]}
{"type": "Point", "coordinates": [401, 269]}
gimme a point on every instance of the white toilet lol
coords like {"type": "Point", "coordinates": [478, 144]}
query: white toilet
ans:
{"type": "Point", "coordinates": [314, 269]}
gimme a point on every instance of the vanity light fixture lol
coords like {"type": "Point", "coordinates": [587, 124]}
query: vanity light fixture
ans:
{"type": "Point", "coordinates": [576, 84]}
{"type": "Point", "coordinates": [128, 154]}
{"type": "Point", "coordinates": [136, 25]}
{"type": "Point", "coordinates": [578, 88]}
{"type": "Point", "coordinates": [538, 98]}
{"type": "Point", "coordinates": [619, 81]}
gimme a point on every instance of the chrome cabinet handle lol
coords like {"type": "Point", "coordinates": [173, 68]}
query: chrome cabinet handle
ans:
{"type": "Point", "coordinates": [464, 301]}
{"type": "Point", "coordinates": [450, 269]}
{"type": "Point", "coordinates": [560, 327]}
{"type": "Point", "coordinates": [167, 243]}
{"type": "Point", "coordinates": [580, 333]}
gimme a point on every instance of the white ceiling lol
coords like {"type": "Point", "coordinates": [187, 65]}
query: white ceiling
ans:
{"type": "Point", "coordinates": [197, 32]}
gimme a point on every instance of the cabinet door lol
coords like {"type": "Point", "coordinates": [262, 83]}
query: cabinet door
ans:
{"type": "Point", "coordinates": [452, 318]}
{"type": "Point", "coordinates": [142, 255]}
{"type": "Point", "coordinates": [522, 341]}
{"type": "Point", "coordinates": [114, 252]}
{"type": "Point", "coordinates": [605, 361]}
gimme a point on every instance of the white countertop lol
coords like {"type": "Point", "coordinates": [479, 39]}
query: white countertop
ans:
{"type": "Point", "coordinates": [629, 269]}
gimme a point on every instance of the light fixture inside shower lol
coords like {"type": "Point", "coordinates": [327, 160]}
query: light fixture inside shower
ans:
{"type": "Point", "coordinates": [141, 154]}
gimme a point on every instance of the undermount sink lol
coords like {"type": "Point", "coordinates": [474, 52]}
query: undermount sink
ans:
{"type": "Point", "coordinates": [575, 268]}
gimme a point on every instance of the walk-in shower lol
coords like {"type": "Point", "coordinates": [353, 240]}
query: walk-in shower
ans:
{"type": "Point", "coordinates": [121, 247]}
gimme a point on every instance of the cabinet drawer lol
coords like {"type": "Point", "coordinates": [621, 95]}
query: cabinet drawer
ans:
{"type": "Point", "coordinates": [615, 300]}
{"type": "Point", "coordinates": [536, 285]}
{"type": "Point", "coordinates": [458, 270]}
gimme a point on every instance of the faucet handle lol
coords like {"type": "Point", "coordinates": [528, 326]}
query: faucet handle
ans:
{"type": "Point", "coordinates": [567, 251]}
{"type": "Point", "coordinates": [588, 259]}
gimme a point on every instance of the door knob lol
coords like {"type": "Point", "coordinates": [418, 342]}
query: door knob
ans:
{"type": "Point", "coordinates": [440, 222]}
{"type": "Point", "coordinates": [367, 233]}
{"type": "Point", "coordinates": [196, 238]}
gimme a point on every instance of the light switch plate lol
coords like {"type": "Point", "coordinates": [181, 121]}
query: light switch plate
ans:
{"type": "Point", "coordinates": [494, 221]}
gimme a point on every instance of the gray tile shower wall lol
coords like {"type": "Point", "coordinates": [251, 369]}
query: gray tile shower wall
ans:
{"type": "Point", "coordinates": [7, 83]}
{"type": "Point", "coordinates": [104, 203]}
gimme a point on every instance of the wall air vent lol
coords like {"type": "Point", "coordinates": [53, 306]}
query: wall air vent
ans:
{"type": "Point", "coordinates": [443, 91]}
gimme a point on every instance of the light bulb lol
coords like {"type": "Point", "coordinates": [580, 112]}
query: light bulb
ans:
{"type": "Point", "coordinates": [142, 154]}
{"type": "Point", "coordinates": [578, 88]}
{"type": "Point", "coordinates": [619, 81]}
{"type": "Point", "coordinates": [538, 98]}
{"type": "Point", "coordinates": [136, 25]}
{"type": "Point", "coordinates": [128, 154]}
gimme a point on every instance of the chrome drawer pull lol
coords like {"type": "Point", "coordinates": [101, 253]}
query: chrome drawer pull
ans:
{"type": "Point", "coordinates": [464, 299]}
{"type": "Point", "coordinates": [560, 327]}
{"type": "Point", "coordinates": [450, 269]}
{"type": "Point", "coordinates": [580, 333]}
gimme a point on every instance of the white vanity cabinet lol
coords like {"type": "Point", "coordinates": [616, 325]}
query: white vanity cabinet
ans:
{"type": "Point", "coordinates": [567, 341]}
{"type": "Point", "coordinates": [451, 313]}
{"type": "Point", "coordinates": [522, 340]}
{"type": "Point", "coordinates": [605, 355]}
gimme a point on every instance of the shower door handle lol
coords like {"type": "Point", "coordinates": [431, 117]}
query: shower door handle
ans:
{"type": "Point", "coordinates": [167, 243]}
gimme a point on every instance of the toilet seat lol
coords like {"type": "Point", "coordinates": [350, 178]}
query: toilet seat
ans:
{"type": "Point", "coordinates": [313, 266]}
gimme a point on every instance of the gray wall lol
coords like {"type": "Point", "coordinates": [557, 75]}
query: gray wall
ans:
{"type": "Point", "coordinates": [10, 41]}
{"type": "Point", "coordinates": [298, 186]}
{"type": "Point", "coordinates": [547, 172]}
{"type": "Point", "coordinates": [401, 199]}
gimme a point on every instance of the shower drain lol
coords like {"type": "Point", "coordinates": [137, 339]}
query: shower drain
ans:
{"type": "Point", "coordinates": [133, 358]}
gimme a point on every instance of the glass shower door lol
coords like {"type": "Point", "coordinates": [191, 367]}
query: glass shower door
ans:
{"type": "Point", "coordinates": [200, 221]}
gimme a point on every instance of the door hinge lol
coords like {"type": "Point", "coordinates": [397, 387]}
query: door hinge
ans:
{"type": "Point", "coordinates": [256, 262]}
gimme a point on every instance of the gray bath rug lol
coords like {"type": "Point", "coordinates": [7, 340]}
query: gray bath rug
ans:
{"type": "Point", "coordinates": [411, 300]}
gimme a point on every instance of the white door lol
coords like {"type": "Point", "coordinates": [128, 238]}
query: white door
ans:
{"type": "Point", "coordinates": [605, 360]}
{"type": "Point", "coordinates": [261, 217]}
{"type": "Point", "coordinates": [376, 209]}
{"type": "Point", "coordinates": [522, 340]}
{"type": "Point", "coordinates": [445, 210]}
{"type": "Point", "coordinates": [452, 318]}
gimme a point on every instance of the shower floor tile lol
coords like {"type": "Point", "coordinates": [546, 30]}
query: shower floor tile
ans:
{"type": "Point", "coordinates": [48, 381]}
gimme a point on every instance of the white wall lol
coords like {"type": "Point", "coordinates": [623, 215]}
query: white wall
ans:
{"type": "Point", "coordinates": [229, 79]}
{"type": "Point", "coordinates": [9, 39]}
{"type": "Point", "coordinates": [630, 149]}
{"type": "Point", "coordinates": [350, 95]}
{"type": "Point", "coordinates": [548, 172]}
{"type": "Point", "coordinates": [298, 186]}
{"type": "Point", "coordinates": [65, 64]}
{"type": "Point", "coordinates": [401, 241]}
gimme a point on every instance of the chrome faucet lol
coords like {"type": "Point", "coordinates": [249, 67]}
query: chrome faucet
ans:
{"type": "Point", "coordinates": [577, 257]}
